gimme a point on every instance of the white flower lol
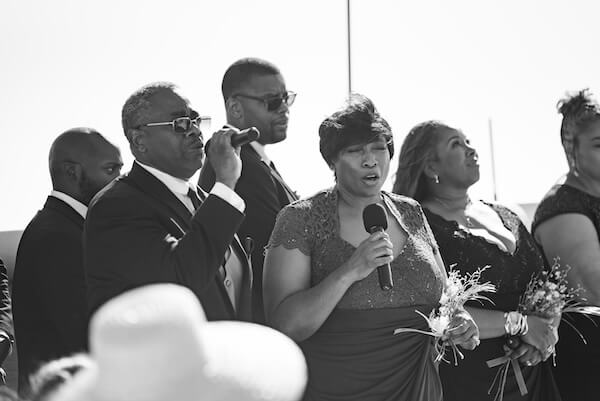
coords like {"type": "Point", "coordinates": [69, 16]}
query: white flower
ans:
{"type": "Point", "coordinates": [439, 324]}
{"type": "Point", "coordinates": [444, 299]}
{"type": "Point", "coordinates": [452, 289]}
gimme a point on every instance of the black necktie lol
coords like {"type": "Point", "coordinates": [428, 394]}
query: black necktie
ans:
{"type": "Point", "coordinates": [194, 198]}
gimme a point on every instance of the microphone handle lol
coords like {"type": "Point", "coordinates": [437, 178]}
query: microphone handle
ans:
{"type": "Point", "coordinates": [384, 273]}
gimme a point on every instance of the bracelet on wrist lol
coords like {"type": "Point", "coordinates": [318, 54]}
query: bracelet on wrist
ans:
{"type": "Point", "coordinates": [515, 324]}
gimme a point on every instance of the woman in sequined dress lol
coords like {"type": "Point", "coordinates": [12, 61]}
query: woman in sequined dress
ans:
{"type": "Point", "coordinates": [320, 287]}
{"type": "Point", "coordinates": [567, 225]}
{"type": "Point", "coordinates": [437, 166]}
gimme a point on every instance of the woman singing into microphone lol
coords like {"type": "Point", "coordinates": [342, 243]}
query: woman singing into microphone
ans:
{"type": "Point", "coordinates": [320, 287]}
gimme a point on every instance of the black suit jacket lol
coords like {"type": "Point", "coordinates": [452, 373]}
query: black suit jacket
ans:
{"type": "Point", "coordinates": [49, 303]}
{"type": "Point", "coordinates": [138, 232]}
{"type": "Point", "coordinates": [265, 194]}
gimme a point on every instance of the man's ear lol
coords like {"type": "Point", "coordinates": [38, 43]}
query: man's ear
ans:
{"type": "Point", "coordinates": [73, 171]}
{"type": "Point", "coordinates": [137, 140]}
{"type": "Point", "coordinates": [234, 108]}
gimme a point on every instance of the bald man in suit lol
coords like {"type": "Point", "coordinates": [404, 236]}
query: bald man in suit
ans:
{"type": "Point", "coordinates": [49, 301]}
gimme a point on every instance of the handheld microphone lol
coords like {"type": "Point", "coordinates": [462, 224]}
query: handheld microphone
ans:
{"type": "Point", "coordinates": [374, 219]}
{"type": "Point", "coordinates": [244, 136]}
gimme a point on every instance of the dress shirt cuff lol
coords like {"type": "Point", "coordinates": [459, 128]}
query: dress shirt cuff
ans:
{"type": "Point", "coordinates": [228, 195]}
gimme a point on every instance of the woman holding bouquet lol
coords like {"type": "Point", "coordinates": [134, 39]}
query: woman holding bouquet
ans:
{"type": "Point", "coordinates": [320, 287]}
{"type": "Point", "coordinates": [437, 166]}
{"type": "Point", "coordinates": [567, 225]}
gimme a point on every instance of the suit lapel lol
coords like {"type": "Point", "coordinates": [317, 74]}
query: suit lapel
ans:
{"type": "Point", "coordinates": [244, 311]}
{"type": "Point", "coordinates": [155, 189]}
{"type": "Point", "coordinates": [291, 195]}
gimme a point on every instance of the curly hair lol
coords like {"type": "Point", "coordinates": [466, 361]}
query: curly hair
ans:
{"type": "Point", "coordinates": [358, 122]}
{"type": "Point", "coordinates": [417, 149]}
{"type": "Point", "coordinates": [579, 110]}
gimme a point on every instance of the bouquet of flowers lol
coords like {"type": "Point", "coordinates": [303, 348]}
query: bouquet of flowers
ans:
{"type": "Point", "coordinates": [457, 291]}
{"type": "Point", "coordinates": [547, 295]}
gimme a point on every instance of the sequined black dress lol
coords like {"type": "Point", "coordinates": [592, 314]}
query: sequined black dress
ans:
{"type": "Point", "coordinates": [510, 273]}
{"type": "Point", "coordinates": [577, 370]}
{"type": "Point", "coordinates": [354, 355]}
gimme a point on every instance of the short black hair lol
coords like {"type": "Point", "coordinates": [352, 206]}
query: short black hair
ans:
{"type": "Point", "coordinates": [359, 122]}
{"type": "Point", "coordinates": [138, 103]}
{"type": "Point", "coordinates": [241, 71]}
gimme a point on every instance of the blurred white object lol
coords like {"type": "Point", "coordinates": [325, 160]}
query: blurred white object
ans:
{"type": "Point", "coordinates": [154, 344]}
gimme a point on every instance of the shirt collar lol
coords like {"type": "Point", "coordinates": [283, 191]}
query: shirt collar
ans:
{"type": "Point", "coordinates": [175, 185]}
{"type": "Point", "coordinates": [69, 200]}
{"type": "Point", "coordinates": [260, 149]}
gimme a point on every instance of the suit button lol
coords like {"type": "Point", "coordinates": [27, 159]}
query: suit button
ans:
{"type": "Point", "coordinates": [228, 283]}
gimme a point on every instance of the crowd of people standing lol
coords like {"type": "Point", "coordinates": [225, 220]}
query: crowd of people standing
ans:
{"type": "Point", "coordinates": [146, 286]}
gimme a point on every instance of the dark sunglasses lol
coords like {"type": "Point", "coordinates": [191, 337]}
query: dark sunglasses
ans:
{"type": "Point", "coordinates": [181, 125]}
{"type": "Point", "coordinates": [272, 103]}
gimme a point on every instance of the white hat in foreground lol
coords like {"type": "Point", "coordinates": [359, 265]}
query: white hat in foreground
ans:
{"type": "Point", "coordinates": [154, 344]}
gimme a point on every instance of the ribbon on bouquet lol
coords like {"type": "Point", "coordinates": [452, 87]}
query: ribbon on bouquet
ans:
{"type": "Point", "coordinates": [502, 374]}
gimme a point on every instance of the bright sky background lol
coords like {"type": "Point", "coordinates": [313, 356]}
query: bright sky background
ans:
{"type": "Point", "coordinates": [68, 63]}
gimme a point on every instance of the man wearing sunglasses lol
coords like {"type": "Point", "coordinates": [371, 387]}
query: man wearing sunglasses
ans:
{"type": "Point", "coordinates": [255, 95]}
{"type": "Point", "coordinates": [152, 225]}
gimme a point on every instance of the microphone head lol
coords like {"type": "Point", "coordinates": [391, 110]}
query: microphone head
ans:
{"type": "Point", "coordinates": [253, 133]}
{"type": "Point", "coordinates": [244, 136]}
{"type": "Point", "coordinates": [374, 217]}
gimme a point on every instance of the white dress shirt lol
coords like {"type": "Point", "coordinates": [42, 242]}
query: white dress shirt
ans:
{"type": "Point", "coordinates": [179, 188]}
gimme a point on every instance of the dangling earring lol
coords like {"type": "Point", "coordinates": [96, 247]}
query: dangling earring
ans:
{"type": "Point", "coordinates": [437, 179]}
{"type": "Point", "coordinates": [574, 168]}
{"type": "Point", "coordinates": [573, 165]}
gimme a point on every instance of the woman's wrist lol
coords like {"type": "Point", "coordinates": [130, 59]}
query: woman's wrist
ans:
{"type": "Point", "coordinates": [346, 275]}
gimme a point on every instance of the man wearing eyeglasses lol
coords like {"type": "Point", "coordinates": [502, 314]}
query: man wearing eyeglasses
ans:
{"type": "Point", "coordinates": [152, 225]}
{"type": "Point", "coordinates": [255, 95]}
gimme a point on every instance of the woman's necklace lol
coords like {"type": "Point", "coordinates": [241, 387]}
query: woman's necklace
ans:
{"type": "Point", "coordinates": [468, 220]}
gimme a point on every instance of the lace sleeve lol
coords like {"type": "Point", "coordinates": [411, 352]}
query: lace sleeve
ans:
{"type": "Point", "coordinates": [291, 230]}
{"type": "Point", "coordinates": [414, 217]}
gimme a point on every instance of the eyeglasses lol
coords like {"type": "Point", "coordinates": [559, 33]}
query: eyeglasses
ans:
{"type": "Point", "coordinates": [273, 103]}
{"type": "Point", "coordinates": [181, 125]}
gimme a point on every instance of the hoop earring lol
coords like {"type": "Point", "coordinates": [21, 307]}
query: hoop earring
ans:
{"type": "Point", "coordinates": [437, 179]}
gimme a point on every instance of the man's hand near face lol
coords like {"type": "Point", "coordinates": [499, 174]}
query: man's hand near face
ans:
{"type": "Point", "coordinates": [224, 158]}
